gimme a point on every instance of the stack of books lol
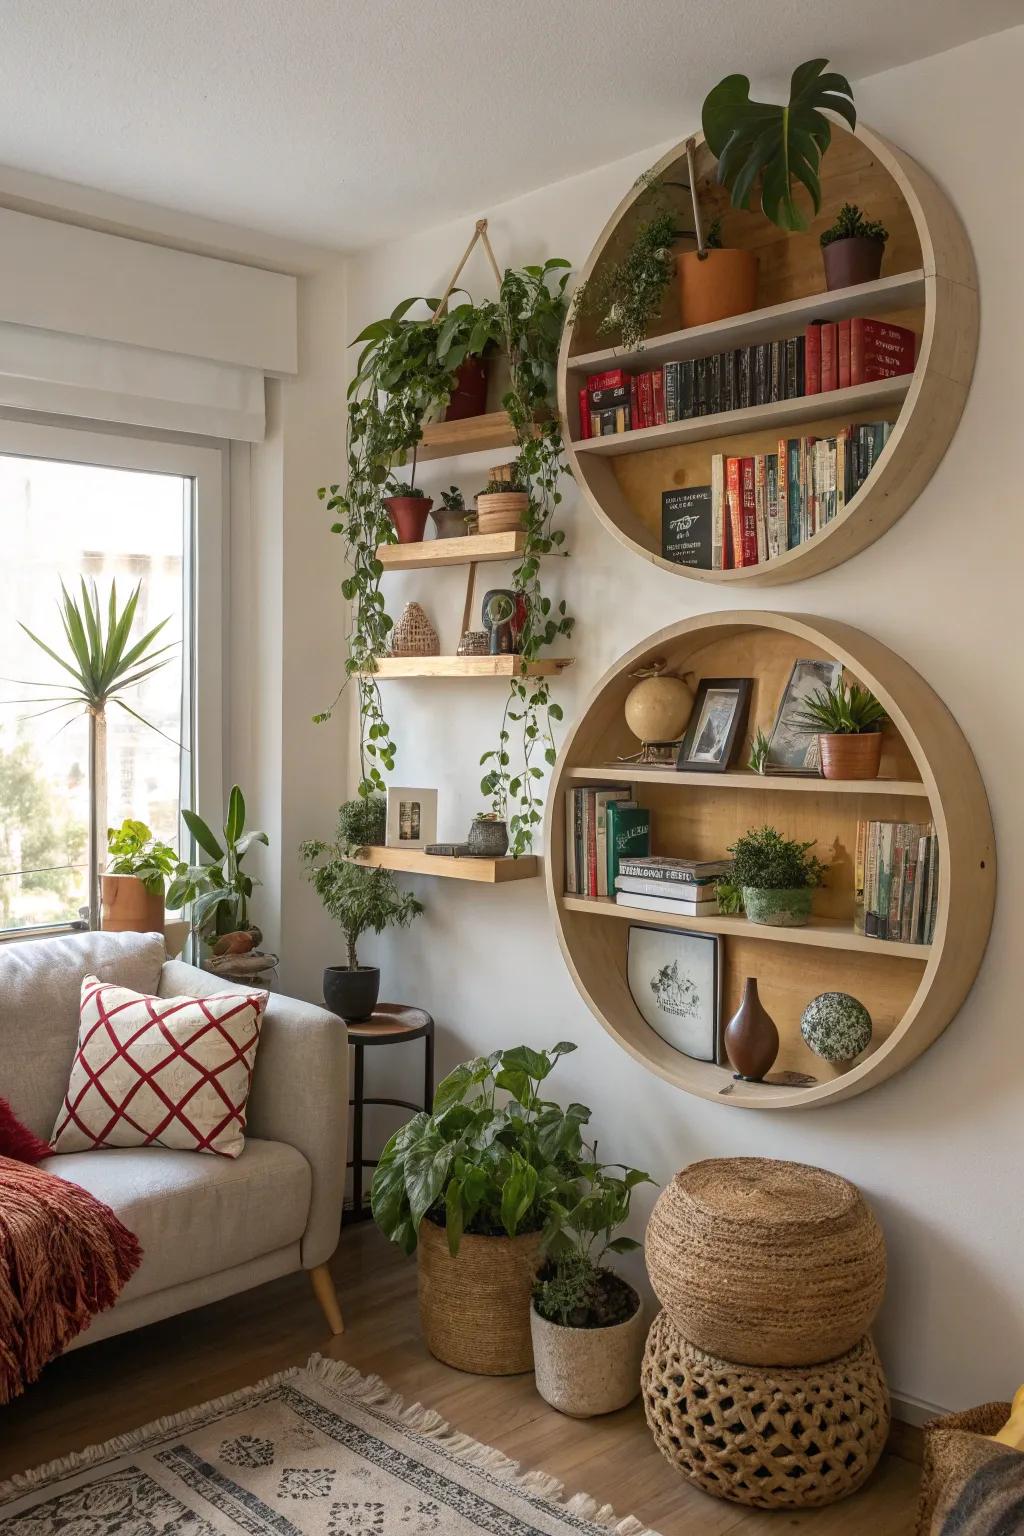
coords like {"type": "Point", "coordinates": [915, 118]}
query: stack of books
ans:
{"type": "Point", "coordinates": [897, 880]}
{"type": "Point", "coordinates": [603, 824]}
{"type": "Point", "coordinates": [684, 887]}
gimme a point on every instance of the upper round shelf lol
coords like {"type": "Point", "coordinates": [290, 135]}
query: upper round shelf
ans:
{"type": "Point", "coordinates": [912, 991]}
{"type": "Point", "coordinates": [929, 284]}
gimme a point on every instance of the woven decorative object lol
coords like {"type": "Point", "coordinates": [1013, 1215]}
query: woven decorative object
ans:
{"type": "Point", "coordinates": [475, 1308]}
{"type": "Point", "coordinates": [773, 1438]}
{"type": "Point", "coordinates": [765, 1261]}
{"type": "Point", "coordinates": [955, 1450]}
{"type": "Point", "coordinates": [414, 635]}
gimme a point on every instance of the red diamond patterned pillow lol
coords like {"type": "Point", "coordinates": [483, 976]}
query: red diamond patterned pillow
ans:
{"type": "Point", "coordinates": [169, 1071]}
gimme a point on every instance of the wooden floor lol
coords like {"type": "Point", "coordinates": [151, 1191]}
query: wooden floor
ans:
{"type": "Point", "coordinates": [121, 1384]}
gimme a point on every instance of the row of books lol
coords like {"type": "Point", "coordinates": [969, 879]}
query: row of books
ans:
{"type": "Point", "coordinates": [896, 869]}
{"type": "Point", "coordinates": [829, 355]}
{"type": "Point", "coordinates": [603, 824]}
{"type": "Point", "coordinates": [759, 506]}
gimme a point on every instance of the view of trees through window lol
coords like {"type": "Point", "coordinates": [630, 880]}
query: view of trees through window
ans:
{"type": "Point", "coordinates": [62, 521]}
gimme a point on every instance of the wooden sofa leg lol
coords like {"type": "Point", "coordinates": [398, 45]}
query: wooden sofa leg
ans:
{"type": "Point", "coordinates": [327, 1296]}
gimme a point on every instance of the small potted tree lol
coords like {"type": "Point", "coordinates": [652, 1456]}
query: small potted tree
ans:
{"type": "Point", "coordinates": [852, 248]}
{"type": "Point", "coordinates": [848, 723]}
{"type": "Point", "coordinates": [772, 879]}
{"type": "Point", "coordinates": [586, 1322]}
{"type": "Point", "coordinates": [360, 899]}
{"type": "Point", "coordinates": [132, 888]}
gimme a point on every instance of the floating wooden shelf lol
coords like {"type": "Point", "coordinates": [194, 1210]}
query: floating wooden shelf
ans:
{"type": "Point", "coordinates": [912, 991]}
{"type": "Point", "coordinates": [466, 666]}
{"type": "Point", "coordinates": [930, 286]}
{"type": "Point", "coordinates": [473, 434]}
{"type": "Point", "coordinates": [413, 861]}
{"type": "Point", "coordinates": [474, 549]}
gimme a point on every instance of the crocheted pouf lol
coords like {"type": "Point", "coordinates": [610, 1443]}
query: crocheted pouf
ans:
{"type": "Point", "coordinates": [765, 1261]}
{"type": "Point", "coordinates": [770, 1437]}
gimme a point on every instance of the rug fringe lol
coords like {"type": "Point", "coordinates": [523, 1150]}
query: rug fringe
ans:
{"type": "Point", "coordinates": [371, 1391]}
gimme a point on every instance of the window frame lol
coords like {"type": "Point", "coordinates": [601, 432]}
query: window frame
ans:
{"type": "Point", "coordinates": [207, 465]}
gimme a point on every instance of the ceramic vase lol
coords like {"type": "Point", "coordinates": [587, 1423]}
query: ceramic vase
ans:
{"type": "Point", "coordinates": [751, 1039]}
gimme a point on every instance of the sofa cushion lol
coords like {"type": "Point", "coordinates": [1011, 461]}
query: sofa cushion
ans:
{"type": "Point", "coordinates": [195, 1215]}
{"type": "Point", "coordinates": [40, 987]}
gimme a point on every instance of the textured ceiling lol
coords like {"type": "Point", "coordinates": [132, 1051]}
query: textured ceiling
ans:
{"type": "Point", "coordinates": [343, 122]}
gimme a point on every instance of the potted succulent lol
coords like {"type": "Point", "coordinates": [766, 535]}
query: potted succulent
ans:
{"type": "Point", "coordinates": [586, 1322]}
{"type": "Point", "coordinates": [848, 723]}
{"type": "Point", "coordinates": [504, 501]}
{"type": "Point", "coordinates": [488, 836]}
{"type": "Point", "coordinates": [407, 508]}
{"type": "Point", "coordinates": [470, 1189]}
{"type": "Point", "coordinates": [132, 889]}
{"type": "Point", "coordinates": [772, 879]}
{"type": "Point", "coordinates": [451, 518]}
{"type": "Point", "coordinates": [359, 898]}
{"type": "Point", "coordinates": [217, 894]}
{"type": "Point", "coordinates": [852, 248]}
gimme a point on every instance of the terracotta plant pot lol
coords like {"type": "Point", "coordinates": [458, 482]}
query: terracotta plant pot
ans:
{"type": "Point", "coordinates": [127, 907]}
{"type": "Point", "coordinates": [409, 515]}
{"type": "Point", "coordinates": [851, 757]}
{"type": "Point", "coordinates": [751, 1039]}
{"type": "Point", "coordinates": [501, 511]}
{"type": "Point", "coordinates": [469, 397]}
{"type": "Point", "coordinates": [720, 284]}
{"type": "Point", "coordinates": [778, 909]}
{"type": "Point", "coordinates": [475, 1308]}
{"type": "Point", "coordinates": [852, 261]}
{"type": "Point", "coordinates": [586, 1371]}
{"type": "Point", "coordinates": [352, 995]}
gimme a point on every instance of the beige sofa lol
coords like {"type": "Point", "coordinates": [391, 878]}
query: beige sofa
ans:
{"type": "Point", "coordinates": [209, 1226]}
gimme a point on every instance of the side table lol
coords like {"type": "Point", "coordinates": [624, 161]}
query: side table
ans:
{"type": "Point", "coordinates": [389, 1024]}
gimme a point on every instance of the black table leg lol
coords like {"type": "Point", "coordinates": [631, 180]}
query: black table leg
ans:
{"type": "Point", "coordinates": [428, 1071]}
{"type": "Point", "coordinates": [357, 1136]}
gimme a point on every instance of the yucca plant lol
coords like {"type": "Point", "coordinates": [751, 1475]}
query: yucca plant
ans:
{"type": "Point", "coordinates": [840, 711]}
{"type": "Point", "coordinates": [103, 663]}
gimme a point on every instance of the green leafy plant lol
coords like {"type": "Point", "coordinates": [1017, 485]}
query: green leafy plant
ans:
{"type": "Point", "coordinates": [515, 482]}
{"type": "Point", "coordinates": [217, 892]}
{"type": "Point", "coordinates": [467, 330]}
{"type": "Point", "coordinates": [764, 860]}
{"type": "Point", "coordinates": [362, 823]}
{"type": "Point", "coordinates": [575, 1288]}
{"type": "Point", "coordinates": [452, 500]}
{"type": "Point", "coordinates": [624, 296]}
{"type": "Point", "coordinates": [359, 899]}
{"type": "Point", "coordinates": [850, 224]}
{"type": "Point", "coordinates": [403, 488]}
{"type": "Point", "coordinates": [778, 145]}
{"type": "Point", "coordinates": [840, 711]}
{"type": "Point", "coordinates": [758, 752]}
{"type": "Point", "coordinates": [493, 1158]}
{"type": "Point", "coordinates": [135, 851]}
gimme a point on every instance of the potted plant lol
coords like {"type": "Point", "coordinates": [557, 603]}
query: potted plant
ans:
{"type": "Point", "coordinates": [848, 723]}
{"type": "Point", "coordinates": [451, 518]}
{"type": "Point", "coordinates": [359, 899]}
{"type": "Point", "coordinates": [132, 889]}
{"type": "Point", "coordinates": [407, 508]}
{"type": "Point", "coordinates": [504, 500]}
{"type": "Point", "coordinates": [470, 1188]}
{"type": "Point", "coordinates": [772, 879]}
{"type": "Point", "coordinates": [488, 836]}
{"type": "Point", "coordinates": [587, 1323]}
{"type": "Point", "coordinates": [217, 894]}
{"type": "Point", "coordinates": [852, 248]}
{"type": "Point", "coordinates": [467, 337]}
{"type": "Point", "coordinates": [625, 296]}
{"type": "Point", "coordinates": [714, 281]}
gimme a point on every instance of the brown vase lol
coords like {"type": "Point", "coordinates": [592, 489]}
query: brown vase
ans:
{"type": "Point", "coordinates": [127, 907]}
{"type": "Point", "coordinates": [851, 757]}
{"type": "Point", "coordinates": [852, 261]}
{"type": "Point", "coordinates": [409, 515]}
{"type": "Point", "coordinates": [716, 285]}
{"type": "Point", "coordinates": [751, 1039]}
{"type": "Point", "coordinates": [469, 397]}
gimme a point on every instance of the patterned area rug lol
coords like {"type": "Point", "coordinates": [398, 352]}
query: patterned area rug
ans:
{"type": "Point", "coordinates": [321, 1450]}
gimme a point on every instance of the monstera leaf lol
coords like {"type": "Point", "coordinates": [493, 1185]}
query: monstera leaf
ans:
{"type": "Point", "coordinates": [781, 144]}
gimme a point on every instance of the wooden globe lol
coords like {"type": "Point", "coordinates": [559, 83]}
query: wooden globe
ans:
{"type": "Point", "coordinates": [658, 707]}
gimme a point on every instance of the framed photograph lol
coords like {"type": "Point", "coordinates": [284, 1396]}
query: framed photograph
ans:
{"type": "Point", "coordinates": [675, 979]}
{"type": "Point", "coordinates": [716, 726]}
{"type": "Point", "coordinates": [412, 817]}
{"type": "Point", "coordinates": [790, 748]}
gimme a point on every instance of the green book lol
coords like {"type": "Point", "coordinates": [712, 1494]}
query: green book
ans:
{"type": "Point", "coordinates": [629, 836]}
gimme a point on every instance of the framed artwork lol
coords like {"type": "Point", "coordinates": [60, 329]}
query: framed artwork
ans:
{"type": "Point", "coordinates": [717, 724]}
{"type": "Point", "coordinates": [412, 817]}
{"type": "Point", "coordinates": [790, 748]}
{"type": "Point", "coordinates": [675, 979]}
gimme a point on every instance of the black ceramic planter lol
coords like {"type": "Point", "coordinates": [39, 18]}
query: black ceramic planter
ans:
{"type": "Point", "coordinates": [352, 995]}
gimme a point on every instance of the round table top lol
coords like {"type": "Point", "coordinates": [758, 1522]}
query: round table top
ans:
{"type": "Point", "coordinates": [388, 1022]}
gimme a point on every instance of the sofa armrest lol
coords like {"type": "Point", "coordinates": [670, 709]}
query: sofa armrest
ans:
{"type": "Point", "coordinates": [299, 1093]}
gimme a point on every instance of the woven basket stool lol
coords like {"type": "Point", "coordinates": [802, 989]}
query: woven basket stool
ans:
{"type": "Point", "coordinates": [774, 1438]}
{"type": "Point", "coordinates": [766, 1262]}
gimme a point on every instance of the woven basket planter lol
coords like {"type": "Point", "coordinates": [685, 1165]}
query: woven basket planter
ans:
{"type": "Point", "coordinates": [501, 511]}
{"type": "Point", "coordinates": [475, 1309]}
{"type": "Point", "coordinates": [954, 1451]}
{"type": "Point", "coordinates": [775, 1439]}
{"type": "Point", "coordinates": [764, 1261]}
{"type": "Point", "coordinates": [414, 635]}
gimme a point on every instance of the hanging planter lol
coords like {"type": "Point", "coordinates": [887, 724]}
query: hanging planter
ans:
{"type": "Point", "coordinates": [469, 396]}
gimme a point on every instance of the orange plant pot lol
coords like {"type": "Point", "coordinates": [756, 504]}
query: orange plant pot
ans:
{"type": "Point", "coordinates": [715, 286]}
{"type": "Point", "coordinates": [127, 907]}
{"type": "Point", "coordinates": [851, 757]}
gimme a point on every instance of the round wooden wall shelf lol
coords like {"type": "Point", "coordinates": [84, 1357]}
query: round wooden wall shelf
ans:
{"type": "Point", "coordinates": [928, 773]}
{"type": "Point", "coordinates": [928, 284]}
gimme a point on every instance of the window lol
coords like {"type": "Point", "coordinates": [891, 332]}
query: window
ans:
{"type": "Point", "coordinates": [78, 504]}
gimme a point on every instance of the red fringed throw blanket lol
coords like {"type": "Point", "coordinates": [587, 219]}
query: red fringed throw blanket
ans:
{"type": "Point", "coordinates": [64, 1256]}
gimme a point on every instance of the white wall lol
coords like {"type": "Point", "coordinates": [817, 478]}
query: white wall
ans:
{"type": "Point", "coordinates": [934, 1149]}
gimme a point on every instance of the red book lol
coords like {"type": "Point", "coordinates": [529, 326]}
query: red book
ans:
{"type": "Point", "coordinates": [658, 392]}
{"type": "Point", "coordinates": [646, 401]}
{"type": "Point", "coordinates": [748, 525]}
{"type": "Point", "coordinates": [812, 358]}
{"type": "Point", "coordinates": [843, 366]}
{"type": "Point", "coordinates": [584, 414]}
{"type": "Point", "coordinates": [734, 506]}
{"type": "Point", "coordinates": [829, 359]}
{"type": "Point", "coordinates": [634, 401]}
{"type": "Point", "coordinates": [880, 351]}
{"type": "Point", "coordinates": [610, 380]}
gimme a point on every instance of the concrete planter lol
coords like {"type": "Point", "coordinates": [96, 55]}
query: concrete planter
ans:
{"type": "Point", "coordinates": [778, 909]}
{"type": "Point", "coordinates": [586, 1371]}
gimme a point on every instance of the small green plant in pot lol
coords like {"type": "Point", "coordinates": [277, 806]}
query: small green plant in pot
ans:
{"type": "Point", "coordinates": [848, 724]}
{"type": "Point", "coordinates": [852, 248]}
{"type": "Point", "coordinates": [407, 507]}
{"type": "Point", "coordinates": [772, 879]}
{"type": "Point", "coordinates": [132, 888]}
{"type": "Point", "coordinates": [451, 518]}
{"type": "Point", "coordinates": [587, 1322]}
